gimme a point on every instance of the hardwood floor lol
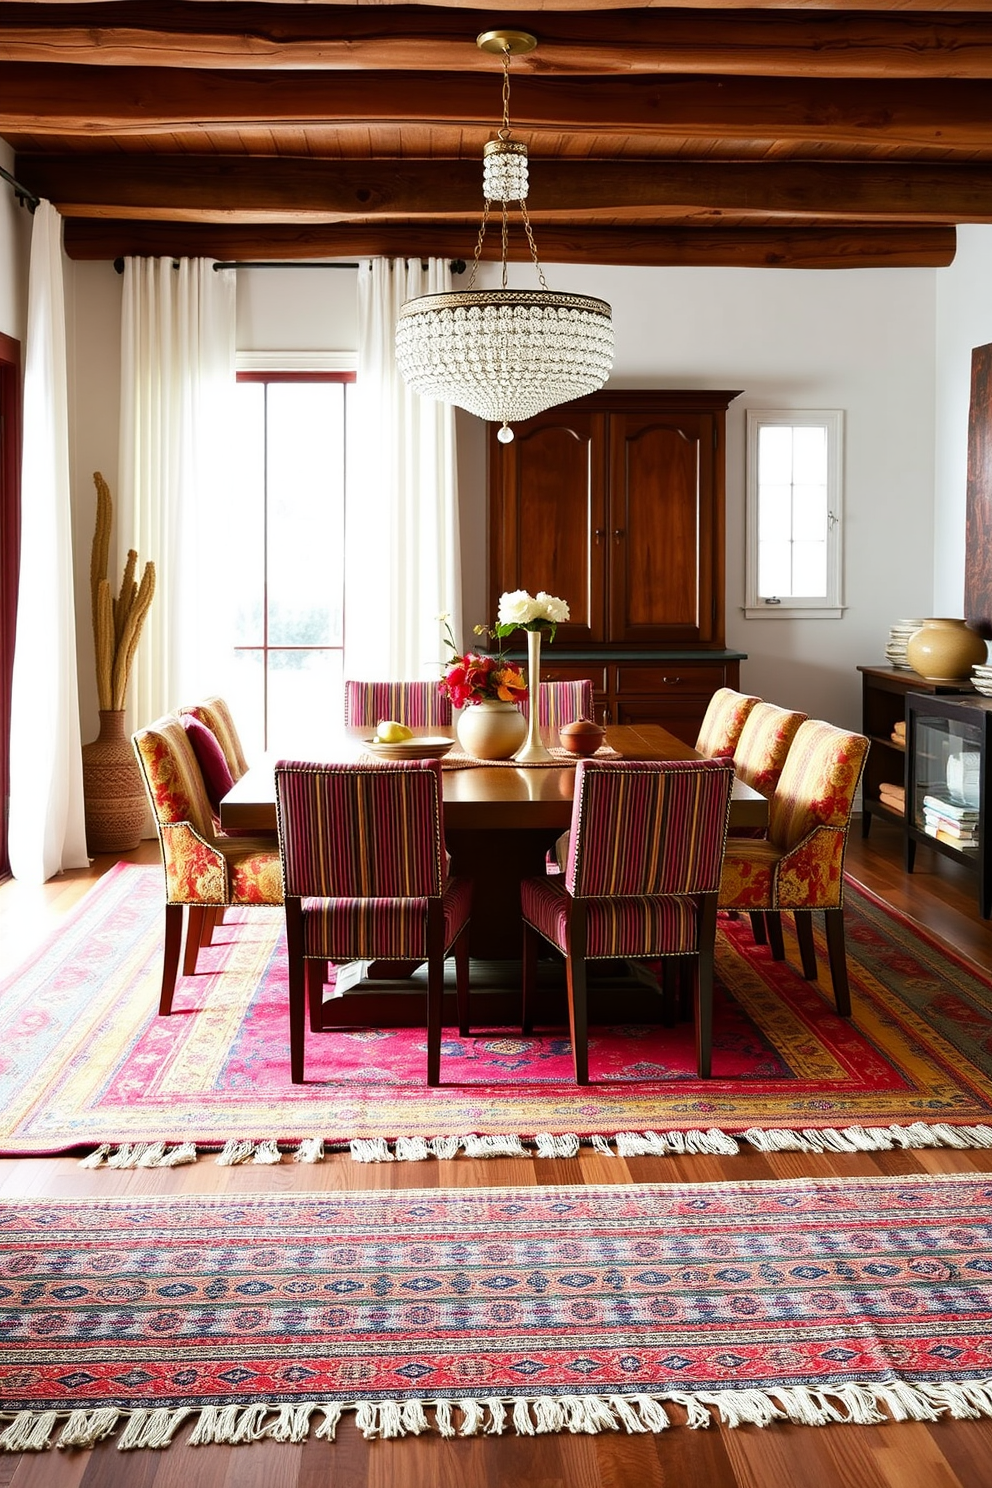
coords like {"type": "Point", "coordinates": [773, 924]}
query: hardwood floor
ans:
{"type": "Point", "coordinates": [949, 1454]}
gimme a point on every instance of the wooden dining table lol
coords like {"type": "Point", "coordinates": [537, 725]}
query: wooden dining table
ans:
{"type": "Point", "coordinates": [499, 819]}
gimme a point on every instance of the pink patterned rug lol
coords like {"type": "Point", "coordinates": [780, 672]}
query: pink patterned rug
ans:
{"type": "Point", "coordinates": [86, 1061]}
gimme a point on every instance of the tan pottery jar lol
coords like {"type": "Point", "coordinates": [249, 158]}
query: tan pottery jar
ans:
{"type": "Point", "coordinates": [945, 650]}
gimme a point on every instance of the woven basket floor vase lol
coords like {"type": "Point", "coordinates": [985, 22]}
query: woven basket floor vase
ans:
{"type": "Point", "coordinates": [114, 802]}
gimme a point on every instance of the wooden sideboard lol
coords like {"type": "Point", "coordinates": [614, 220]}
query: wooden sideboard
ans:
{"type": "Point", "coordinates": [883, 704]}
{"type": "Point", "coordinates": [615, 503]}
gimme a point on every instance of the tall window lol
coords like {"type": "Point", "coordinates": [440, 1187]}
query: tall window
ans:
{"type": "Point", "coordinates": [285, 566]}
{"type": "Point", "coordinates": [794, 464]}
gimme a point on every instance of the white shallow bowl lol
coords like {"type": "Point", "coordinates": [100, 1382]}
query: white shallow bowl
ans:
{"type": "Point", "coordinates": [423, 748]}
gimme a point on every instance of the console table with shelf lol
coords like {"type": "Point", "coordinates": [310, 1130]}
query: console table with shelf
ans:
{"type": "Point", "coordinates": [884, 690]}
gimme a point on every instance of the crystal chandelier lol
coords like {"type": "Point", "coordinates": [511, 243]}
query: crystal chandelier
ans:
{"type": "Point", "coordinates": [505, 354]}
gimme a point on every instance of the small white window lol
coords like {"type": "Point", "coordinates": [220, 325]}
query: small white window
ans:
{"type": "Point", "coordinates": [794, 465]}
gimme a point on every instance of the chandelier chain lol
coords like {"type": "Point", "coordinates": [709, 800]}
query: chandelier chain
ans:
{"type": "Point", "coordinates": [478, 243]}
{"type": "Point", "coordinates": [504, 133]}
{"type": "Point", "coordinates": [533, 246]}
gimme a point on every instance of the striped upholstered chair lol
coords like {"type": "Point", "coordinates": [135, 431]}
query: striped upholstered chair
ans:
{"type": "Point", "coordinates": [417, 704]}
{"type": "Point", "coordinates": [560, 703]}
{"type": "Point", "coordinates": [725, 716]}
{"type": "Point", "coordinates": [205, 872]}
{"type": "Point", "coordinates": [800, 864]}
{"type": "Point", "coordinates": [366, 879]}
{"type": "Point", "coordinates": [216, 715]}
{"type": "Point", "coordinates": [641, 880]}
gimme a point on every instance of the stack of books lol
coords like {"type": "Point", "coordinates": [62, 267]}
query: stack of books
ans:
{"type": "Point", "coordinates": [950, 823]}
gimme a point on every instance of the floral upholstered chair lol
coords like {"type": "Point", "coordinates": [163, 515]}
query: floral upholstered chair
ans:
{"type": "Point", "coordinates": [723, 720]}
{"type": "Point", "coordinates": [417, 704]}
{"type": "Point", "coordinates": [640, 882]}
{"type": "Point", "coordinates": [560, 703]}
{"type": "Point", "coordinates": [764, 743]}
{"type": "Point", "coordinates": [800, 864]}
{"type": "Point", "coordinates": [216, 715]}
{"type": "Point", "coordinates": [366, 879]}
{"type": "Point", "coordinates": [205, 872]}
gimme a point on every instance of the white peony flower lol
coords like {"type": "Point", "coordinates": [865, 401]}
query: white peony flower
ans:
{"type": "Point", "coordinates": [551, 608]}
{"type": "Point", "coordinates": [517, 608]}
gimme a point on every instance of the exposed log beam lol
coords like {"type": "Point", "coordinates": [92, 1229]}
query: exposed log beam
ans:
{"type": "Point", "coordinates": [299, 190]}
{"type": "Point", "coordinates": [45, 99]}
{"type": "Point", "coordinates": [608, 6]}
{"type": "Point", "coordinates": [856, 246]}
{"type": "Point", "coordinates": [602, 39]}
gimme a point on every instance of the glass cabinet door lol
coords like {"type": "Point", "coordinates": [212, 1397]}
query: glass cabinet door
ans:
{"type": "Point", "coordinates": [946, 771]}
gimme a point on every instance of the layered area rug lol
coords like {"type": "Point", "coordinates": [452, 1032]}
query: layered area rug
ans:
{"type": "Point", "coordinates": [532, 1310]}
{"type": "Point", "coordinates": [85, 1060]}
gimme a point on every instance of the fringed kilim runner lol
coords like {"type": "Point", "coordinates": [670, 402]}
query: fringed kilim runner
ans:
{"type": "Point", "coordinates": [85, 1061]}
{"type": "Point", "coordinates": [485, 1311]}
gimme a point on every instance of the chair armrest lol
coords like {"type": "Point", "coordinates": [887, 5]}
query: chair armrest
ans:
{"type": "Point", "coordinates": [811, 875]}
{"type": "Point", "coordinates": [195, 871]}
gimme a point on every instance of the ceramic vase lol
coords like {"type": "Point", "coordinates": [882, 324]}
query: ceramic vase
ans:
{"type": "Point", "coordinates": [114, 802]}
{"type": "Point", "coordinates": [491, 730]}
{"type": "Point", "coordinates": [533, 750]}
{"type": "Point", "coordinates": [945, 650]}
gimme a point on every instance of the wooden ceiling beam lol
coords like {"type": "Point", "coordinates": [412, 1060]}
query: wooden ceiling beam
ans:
{"type": "Point", "coordinates": [44, 99]}
{"type": "Point", "coordinates": [854, 246]}
{"type": "Point", "coordinates": [786, 42]}
{"type": "Point", "coordinates": [296, 190]}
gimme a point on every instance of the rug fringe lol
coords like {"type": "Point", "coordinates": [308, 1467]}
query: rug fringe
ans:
{"type": "Point", "coordinates": [565, 1144]}
{"type": "Point", "coordinates": [855, 1403]}
{"type": "Point", "coordinates": [868, 1138]}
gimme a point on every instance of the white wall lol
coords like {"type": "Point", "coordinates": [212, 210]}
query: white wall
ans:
{"type": "Point", "coordinates": [297, 309]}
{"type": "Point", "coordinates": [964, 321]}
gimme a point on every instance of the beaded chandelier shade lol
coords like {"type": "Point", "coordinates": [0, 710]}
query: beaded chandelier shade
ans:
{"type": "Point", "coordinates": [505, 354]}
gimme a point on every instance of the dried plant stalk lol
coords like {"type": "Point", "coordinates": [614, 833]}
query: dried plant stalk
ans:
{"type": "Point", "coordinates": [104, 645]}
{"type": "Point", "coordinates": [101, 543]}
{"type": "Point", "coordinates": [132, 633]}
{"type": "Point", "coordinates": [125, 599]}
{"type": "Point", "coordinates": [117, 622]}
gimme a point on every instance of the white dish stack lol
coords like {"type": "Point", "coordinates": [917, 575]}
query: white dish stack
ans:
{"type": "Point", "coordinates": [899, 634]}
{"type": "Point", "coordinates": [981, 677]}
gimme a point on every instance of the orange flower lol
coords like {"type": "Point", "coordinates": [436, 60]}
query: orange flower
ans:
{"type": "Point", "coordinates": [510, 682]}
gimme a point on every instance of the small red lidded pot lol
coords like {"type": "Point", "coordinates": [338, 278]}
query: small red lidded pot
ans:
{"type": "Point", "coordinates": [582, 737]}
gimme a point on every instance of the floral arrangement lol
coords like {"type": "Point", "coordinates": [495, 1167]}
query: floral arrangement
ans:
{"type": "Point", "coordinates": [519, 610]}
{"type": "Point", "coordinates": [471, 678]}
{"type": "Point", "coordinates": [116, 622]}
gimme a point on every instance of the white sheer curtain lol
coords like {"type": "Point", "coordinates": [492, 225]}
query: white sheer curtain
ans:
{"type": "Point", "coordinates": [177, 388]}
{"type": "Point", "coordinates": [47, 831]}
{"type": "Point", "coordinates": [402, 554]}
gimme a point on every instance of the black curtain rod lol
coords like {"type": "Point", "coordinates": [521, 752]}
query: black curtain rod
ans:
{"type": "Point", "coordinates": [456, 265]}
{"type": "Point", "coordinates": [25, 197]}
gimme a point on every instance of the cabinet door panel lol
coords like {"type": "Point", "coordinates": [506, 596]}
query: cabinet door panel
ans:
{"type": "Point", "coordinates": [550, 525]}
{"type": "Point", "coordinates": [662, 528]}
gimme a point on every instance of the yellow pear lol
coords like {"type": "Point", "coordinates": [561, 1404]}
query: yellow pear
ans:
{"type": "Point", "coordinates": [391, 732]}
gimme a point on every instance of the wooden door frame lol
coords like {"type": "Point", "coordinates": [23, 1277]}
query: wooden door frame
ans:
{"type": "Point", "coordinates": [10, 558]}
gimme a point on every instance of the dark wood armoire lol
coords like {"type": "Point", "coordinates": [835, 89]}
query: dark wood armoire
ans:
{"type": "Point", "coordinates": [615, 503]}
